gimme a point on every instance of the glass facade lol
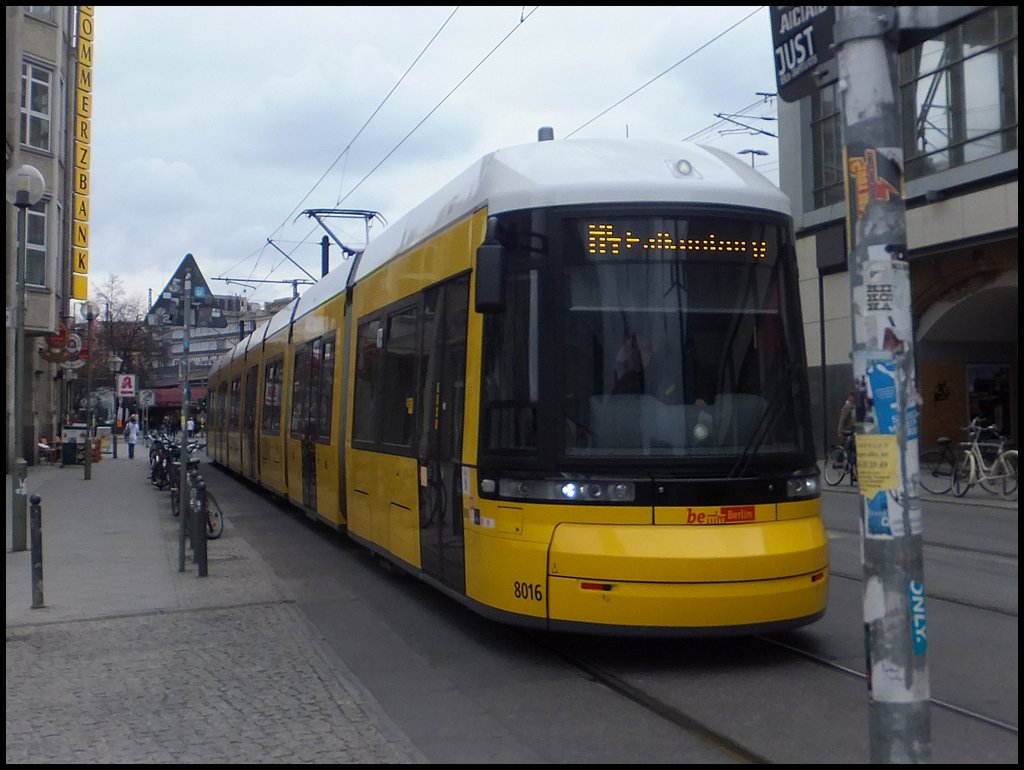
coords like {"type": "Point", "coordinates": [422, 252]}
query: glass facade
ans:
{"type": "Point", "coordinates": [959, 103]}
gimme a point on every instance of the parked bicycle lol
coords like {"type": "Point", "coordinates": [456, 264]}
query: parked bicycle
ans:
{"type": "Point", "coordinates": [986, 463]}
{"type": "Point", "coordinates": [160, 458]}
{"type": "Point", "coordinates": [214, 515]}
{"type": "Point", "coordinates": [937, 467]}
{"type": "Point", "coordinates": [841, 461]}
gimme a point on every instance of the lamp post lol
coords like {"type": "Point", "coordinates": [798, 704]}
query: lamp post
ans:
{"type": "Point", "coordinates": [114, 362]}
{"type": "Point", "coordinates": [90, 312]}
{"type": "Point", "coordinates": [752, 153]}
{"type": "Point", "coordinates": [24, 188]}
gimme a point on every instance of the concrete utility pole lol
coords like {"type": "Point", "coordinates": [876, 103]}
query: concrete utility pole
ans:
{"type": "Point", "coordinates": [895, 629]}
{"type": "Point", "coordinates": [186, 395]}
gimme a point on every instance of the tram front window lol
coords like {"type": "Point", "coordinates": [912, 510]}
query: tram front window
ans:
{"type": "Point", "coordinates": [673, 338]}
{"type": "Point", "coordinates": [676, 342]}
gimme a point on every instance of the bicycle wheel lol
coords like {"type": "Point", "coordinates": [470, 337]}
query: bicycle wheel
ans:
{"type": "Point", "coordinates": [936, 472]}
{"type": "Point", "coordinates": [964, 475]}
{"type": "Point", "coordinates": [1006, 468]}
{"type": "Point", "coordinates": [836, 465]}
{"type": "Point", "coordinates": [214, 517]}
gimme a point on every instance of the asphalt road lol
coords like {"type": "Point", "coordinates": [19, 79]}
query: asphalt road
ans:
{"type": "Point", "coordinates": [467, 690]}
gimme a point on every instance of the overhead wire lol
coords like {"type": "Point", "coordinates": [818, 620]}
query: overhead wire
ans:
{"type": "Point", "coordinates": [523, 17]}
{"type": "Point", "coordinates": [522, 20]}
{"type": "Point", "coordinates": [690, 55]}
{"type": "Point", "coordinates": [348, 147]}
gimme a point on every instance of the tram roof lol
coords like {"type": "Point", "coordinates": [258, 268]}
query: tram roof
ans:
{"type": "Point", "coordinates": [575, 171]}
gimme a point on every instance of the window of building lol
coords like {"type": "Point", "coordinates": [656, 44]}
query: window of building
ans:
{"type": "Point", "coordinates": [35, 247]}
{"type": "Point", "coordinates": [44, 12]}
{"type": "Point", "coordinates": [961, 89]}
{"type": "Point", "coordinates": [35, 106]}
{"type": "Point", "coordinates": [959, 103]}
{"type": "Point", "coordinates": [827, 141]}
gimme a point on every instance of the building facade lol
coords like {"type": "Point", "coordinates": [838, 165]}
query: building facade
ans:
{"type": "Point", "coordinates": [959, 125]}
{"type": "Point", "coordinates": [41, 67]}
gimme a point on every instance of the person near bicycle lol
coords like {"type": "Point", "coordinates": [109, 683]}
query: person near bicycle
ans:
{"type": "Point", "coordinates": [848, 426]}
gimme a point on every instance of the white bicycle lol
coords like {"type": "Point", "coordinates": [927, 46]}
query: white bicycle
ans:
{"type": "Point", "coordinates": [986, 463]}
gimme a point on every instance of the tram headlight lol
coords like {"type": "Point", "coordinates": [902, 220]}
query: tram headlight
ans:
{"type": "Point", "coordinates": [804, 484]}
{"type": "Point", "coordinates": [563, 491]}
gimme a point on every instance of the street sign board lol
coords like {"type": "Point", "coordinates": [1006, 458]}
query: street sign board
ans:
{"type": "Point", "coordinates": [804, 57]}
{"type": "Point", "coordinates": [126, 386]}
{"type": "Point", "coordinates": [147, 398]}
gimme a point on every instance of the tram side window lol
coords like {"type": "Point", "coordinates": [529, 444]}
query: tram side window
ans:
{"type": "Point", "coordinates": [324, 412]}
{"type": "Point", "coordinates": [300, 391]}
{"type": "Point", "coordinates": [509, 383]}
{"type": "Point", "coordinates": [250, 401]}
{"type": "Point", "coordinates": [272, 395]}
{"type": "Point", "coordinates": [222, 401]}
{"type": "Point", "coordinates": [399, 386]}
{"type": "Point", "coordinates": [236, 402]}
{"type": "Point", "coordinates": [367, 386]}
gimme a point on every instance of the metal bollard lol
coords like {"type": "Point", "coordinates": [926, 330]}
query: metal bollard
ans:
{"type": "Point", "coordinates": [199, 528]}
{"type": "Point", "coordinates": [36, 526]}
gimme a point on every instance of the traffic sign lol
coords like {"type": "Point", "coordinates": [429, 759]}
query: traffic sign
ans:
{"type": "Point", "coordinates": [804, 58]}
{"type": "Point", "coordinates": [169, 309]}
{"type": "Point", "coordinates": [147, 398]}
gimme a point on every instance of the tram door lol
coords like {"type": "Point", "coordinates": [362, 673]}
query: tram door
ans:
{"type": "Point", "coordinates": [306, 403]}
{"type": "Point", "coordinates": [249, 425]}
{"type": "Point", "coordinates": [443, 375]}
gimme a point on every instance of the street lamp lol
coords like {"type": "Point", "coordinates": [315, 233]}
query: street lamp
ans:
{"type": "Point", "coordinates": [24, 189]}
{"type": "Point", "coordinates": [90, 312]}
{"type": "Point", "coordinates": [114, 362]}
{"type": "Point", "coordinates": [752, 153]}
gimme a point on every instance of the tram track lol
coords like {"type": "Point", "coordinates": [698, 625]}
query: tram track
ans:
{"type": "Point", "coordinates": [938, 597]}
{"type": "Point", "coordinates": [702, 728]}
{"type": "Point", "coordinates": [649, 702]}
{"type": "Point", "coordinates": [830, 664]}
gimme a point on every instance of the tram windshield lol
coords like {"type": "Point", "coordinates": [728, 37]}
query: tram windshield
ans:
{"type": "Point", "coordinates": [657, 336]}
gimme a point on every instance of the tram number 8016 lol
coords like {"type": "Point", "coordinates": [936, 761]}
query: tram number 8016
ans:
{"type": "Point", "coordinates": [523, 590]}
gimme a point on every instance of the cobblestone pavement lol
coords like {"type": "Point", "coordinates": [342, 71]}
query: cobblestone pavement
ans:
{"type": "Point", "coordinates": [132, 660]}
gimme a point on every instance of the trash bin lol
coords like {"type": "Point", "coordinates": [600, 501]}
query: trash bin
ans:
{"type": "Point", "coordinates": [69, 453]}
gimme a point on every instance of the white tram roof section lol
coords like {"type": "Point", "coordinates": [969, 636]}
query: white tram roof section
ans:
{"type": "Point", "coordinates": [255, 338]}
{"type": "Point", "coordinates": [566, 172]}
{"type": "Point", "coordinates": [280, 319]}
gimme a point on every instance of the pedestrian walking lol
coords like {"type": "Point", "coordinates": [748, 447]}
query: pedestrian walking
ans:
{"type": "Point", "coordinates": [131, 435]}
{"type": "Point", "coordinates": [191, 427]}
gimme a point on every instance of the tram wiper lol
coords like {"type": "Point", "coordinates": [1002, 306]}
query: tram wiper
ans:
{"type": "Point", "coordinates": [764, 425]}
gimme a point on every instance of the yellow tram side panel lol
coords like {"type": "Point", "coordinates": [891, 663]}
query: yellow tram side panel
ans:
{"type": "Point", "coordinates": [535, 560]}
{"type": "Point", "coordinates": [384, 503]}
{"type": "Point", "coordinates": [232, 426]}
{"type": "Point", "coordinates": [243, 439]}
{"type": "Point", "coordinates": [323, 321]}
{"type": "Point", "coordinates": [271, 445]}
{"type": "Point", "coordinates": [382, 490]}
{"type": "Point", "coordinates": [213, 427]}
{"type": "Point", "coordinates": [327, 480]}
{"type": "Point", "coordinates": [328, 503]}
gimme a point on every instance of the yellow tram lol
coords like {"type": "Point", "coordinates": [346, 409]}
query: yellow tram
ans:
{"type": "Point", "coordinates": [569, 390]}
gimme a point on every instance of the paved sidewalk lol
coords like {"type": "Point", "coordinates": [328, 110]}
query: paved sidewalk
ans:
{"type": "Point", "coordinates": [130, 660]}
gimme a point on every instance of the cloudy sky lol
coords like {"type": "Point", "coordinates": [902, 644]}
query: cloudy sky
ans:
{"type": "Point", "coordinates": [214, 128]}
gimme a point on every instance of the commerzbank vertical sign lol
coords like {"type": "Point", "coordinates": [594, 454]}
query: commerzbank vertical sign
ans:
{"type": "Point", "coordinates": [83, 156]}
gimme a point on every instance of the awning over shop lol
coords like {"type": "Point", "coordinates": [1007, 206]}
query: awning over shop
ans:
{"type": "Point", "coordinates": [166, 397]}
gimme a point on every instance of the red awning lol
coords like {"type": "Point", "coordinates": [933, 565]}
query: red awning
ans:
{"type": "Point", "coordinates": [172, 396]}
